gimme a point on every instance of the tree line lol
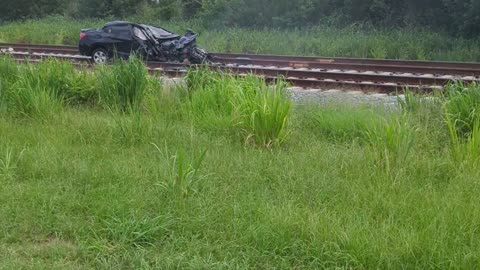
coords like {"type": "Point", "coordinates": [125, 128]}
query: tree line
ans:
{"type": "Point", "coordinates": [455, 16]}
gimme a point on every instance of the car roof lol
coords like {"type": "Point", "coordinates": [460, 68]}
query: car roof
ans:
{"type": "Point", "coordinates": [117, 23]}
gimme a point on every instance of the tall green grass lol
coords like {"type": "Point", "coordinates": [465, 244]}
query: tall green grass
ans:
{"type": "Point", "coordinates": [392, 141]}
{"type": "Point", "coordinates": [9, 73]}
{"type": "Point", "coordinates": [263, 112]}
{"type": "Point", "coordinates": [245, 105]}
{"type": "Point", "coordinates": [38, 92]}
{"type": "Point", "coordinates": [462, 115]}
{"type": "Point", "coordinates": [123, 86]}
{"type": "Point", "coordinates": [341, 123]}
{"type": "Point", "coordinates": [352, 187]}
{"type": "Point", "coordinates": [9, 162]}
{"type": "Point", "coordinates": [210, 97]}
{"type": "Point", "coordinates": [132, 231]}
{"type": "Point", "coordinates": [463, 107]}
{"type": "Point", "coordinates": [465, 150]}
{"type": "Point", "coordinates": [242, 106]}
{"type": "Point", "coordinates": [322, 40]}
{"type": "Point", "coordinates": [389, 134]}
{"type": "Point", "coordinates": [184, 176]}
{"type": "Point", "coordinates": [41, 90]}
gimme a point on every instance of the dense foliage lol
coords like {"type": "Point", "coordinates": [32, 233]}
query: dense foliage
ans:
{"type": "Point", "coordinates": [455, 16]}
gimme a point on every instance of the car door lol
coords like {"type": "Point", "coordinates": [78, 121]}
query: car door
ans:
{"type": "Point", "coordinates": [121, 36]}
{"type": "Point", "coordinates": [138, 37]}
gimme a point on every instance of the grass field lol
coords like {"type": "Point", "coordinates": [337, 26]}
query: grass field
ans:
{"type": "Point", "coordinates": [109, 170]}
{"type": "Point", "coordinates": [415, 44]}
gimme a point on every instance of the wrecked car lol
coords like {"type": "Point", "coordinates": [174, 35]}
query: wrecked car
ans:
{"type": "Point", "coordinates": [121, 39]}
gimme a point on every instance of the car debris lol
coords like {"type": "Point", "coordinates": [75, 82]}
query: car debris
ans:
{"type": "Point", "coordinates": [152, 43]}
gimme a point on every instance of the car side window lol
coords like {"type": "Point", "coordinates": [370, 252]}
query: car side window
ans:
{"type": "Point", "coordinates": [139, 34]}
{"type": "Point", "coordinates": [122, 32]}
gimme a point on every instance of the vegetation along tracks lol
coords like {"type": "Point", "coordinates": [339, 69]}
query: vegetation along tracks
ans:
{"type": "Point", "coordinates": [380, 75]}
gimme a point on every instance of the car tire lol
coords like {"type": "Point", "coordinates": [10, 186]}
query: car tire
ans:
{"type": "Point", "coordinates": [100, 56]}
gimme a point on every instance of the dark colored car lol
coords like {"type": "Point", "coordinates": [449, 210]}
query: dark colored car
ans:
{"type": "Point", "coordinates": [121, 39]}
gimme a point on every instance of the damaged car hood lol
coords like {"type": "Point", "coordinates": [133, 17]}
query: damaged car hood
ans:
{"type": "Point", "coordinates": [160, 33]}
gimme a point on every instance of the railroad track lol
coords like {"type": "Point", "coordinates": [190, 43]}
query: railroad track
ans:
{"type": "Point", "coordinates": [378, 75]}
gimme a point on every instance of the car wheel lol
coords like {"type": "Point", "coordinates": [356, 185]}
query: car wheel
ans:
{"type": "Point", "coordinates": [100, 56]}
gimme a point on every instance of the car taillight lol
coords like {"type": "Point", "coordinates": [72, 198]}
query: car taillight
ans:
{"type": "Point", "coordinates": [82, 35]}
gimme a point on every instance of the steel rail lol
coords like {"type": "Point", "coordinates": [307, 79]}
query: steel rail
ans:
{"type": "Point", "coordinates": [327, 75]}
{"type": "Point", "coordinates": [354, 67]}
{"type": "Point", "coordinates": [250, 57]}
{"type": "Point", "coordinates": [350, 64]}
{"type": "Point", "coordinates": [311, 65]}
{"type": "Point", "coordinates": [298, 77]}
{"type": "Point", "coordinates": [174, 71]}
{"type": "Point", "coordinates": [468, 65]}
{"type": "Point", "coordinates": [43, 46]}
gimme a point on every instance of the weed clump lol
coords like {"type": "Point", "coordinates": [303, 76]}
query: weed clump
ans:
{"type": "Point", "coordinates": [263, 112]}
{"type": "Point", "coordinates": [183, 175]}
{"type": "Point", "coordinates": [210, 94]}
{"type": "Point", "coordinates": [123, 86]}
{"type": "Point", "coordinates": [462, 115]}
{"type": "Point", "coordinates": [462, 107]}
{"type": "Point", "coordinates": [8, 74]}
{"type": "Point", "coordinates": [392, 140]}
{"type": "Point", "coordinates": [41, 90]}
{"type": "Point", "coordinates": [246, 105]}
{"type": "Point", "coordinates": [131, 231]}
